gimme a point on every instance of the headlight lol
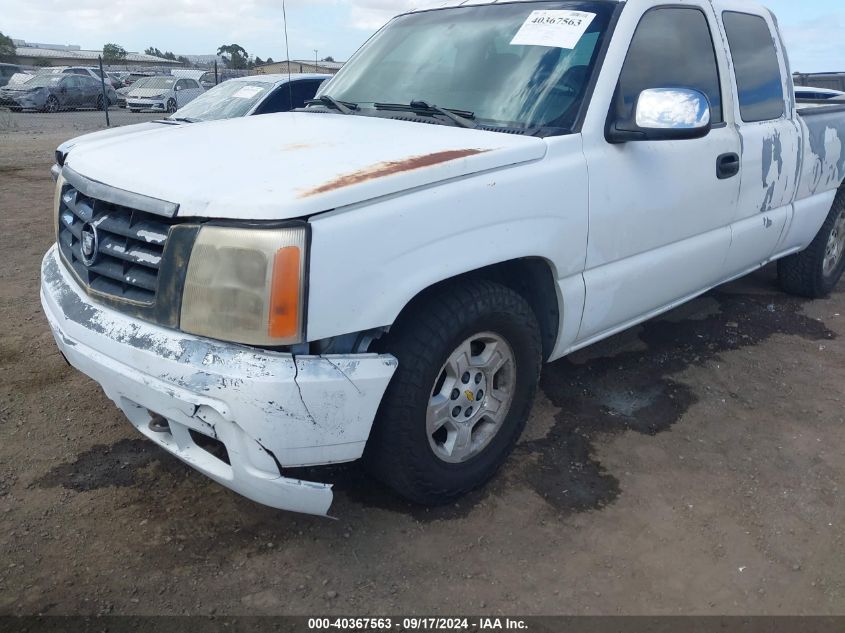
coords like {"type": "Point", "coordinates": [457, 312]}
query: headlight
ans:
{"type": "Point", "coordinates": [246, 286]}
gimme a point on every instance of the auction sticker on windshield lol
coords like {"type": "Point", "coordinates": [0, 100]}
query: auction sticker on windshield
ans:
{"type": "Point", "coordinates": [248, 92]}
{"type": "Point", "coordinates": [556, 29]}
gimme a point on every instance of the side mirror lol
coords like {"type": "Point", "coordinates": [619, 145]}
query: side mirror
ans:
{"type": "Point", "coordinates": [665, 114]}
{"type": "Point", "coordinates": [178, 88]}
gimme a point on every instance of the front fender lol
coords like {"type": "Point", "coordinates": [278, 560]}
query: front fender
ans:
{"type": "Point", "coordinates": [369, 261]}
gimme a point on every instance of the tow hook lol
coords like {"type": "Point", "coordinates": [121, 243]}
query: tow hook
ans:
{"type": "Point", "coordinates": [158, 424]}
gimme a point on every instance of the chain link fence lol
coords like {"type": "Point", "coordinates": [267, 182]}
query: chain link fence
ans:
{"type": "Point", "coordinates": [85, 98]}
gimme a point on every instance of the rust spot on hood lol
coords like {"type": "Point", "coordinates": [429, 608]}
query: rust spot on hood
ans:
{"type": "Point", "coordinates": [388, 168]}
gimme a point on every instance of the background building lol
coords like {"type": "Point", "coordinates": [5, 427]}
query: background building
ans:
{"type": "Point", "coordinates": [300, 66]}
{"type": "Point", "coordinates": [36, 54]}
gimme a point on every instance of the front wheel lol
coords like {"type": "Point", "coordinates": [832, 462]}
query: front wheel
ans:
{"type": "Point", "coordinates": [815, 272]}
{"type": "Point", "coordinates": [100, 102]}
{"type": "Point", "coordinates": [52, 105]}
{"type": "Point", "coordinates": [171, 106]}
{"type": "Point", "coordinates": [469, 363]}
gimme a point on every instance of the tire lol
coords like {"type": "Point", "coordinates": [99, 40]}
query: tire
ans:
{"type": "Point", "coordinates": [814, 272]}
{"type": "Point", "coordinates": [100, 103]}
{"type": "Point", "coordinates": [402, 451]}
{"type": "Point", "coordinates": [171, 106]}
{"type": "Point", "coordinates": [52, 105]}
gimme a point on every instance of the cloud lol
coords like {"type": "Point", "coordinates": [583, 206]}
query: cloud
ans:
{"type": "Point", "coordinates": [373, 14]}
{"type": "Point", "coordinates": [816, 45]}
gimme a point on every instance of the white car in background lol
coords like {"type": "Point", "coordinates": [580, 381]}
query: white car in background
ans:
{"type": "Point", "coordinates": [163, 94]}
{"type": "Point", "coordinates": [807, 93]}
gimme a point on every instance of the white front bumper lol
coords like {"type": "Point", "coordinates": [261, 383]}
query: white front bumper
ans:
{"type": "Point", "coordinates": [267, 409]}
{"type": "Point", "coordinates": [145, 104]}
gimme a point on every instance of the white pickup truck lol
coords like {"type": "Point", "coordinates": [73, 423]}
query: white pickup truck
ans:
{"type": "Point", "coordinates": [482, 188]}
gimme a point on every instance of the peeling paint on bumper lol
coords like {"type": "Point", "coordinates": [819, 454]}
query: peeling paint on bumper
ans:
{"type": "Point", "coordinates": [267, 409]}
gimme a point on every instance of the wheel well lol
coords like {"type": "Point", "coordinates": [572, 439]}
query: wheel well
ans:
{"type": "Point", "coordinates": [531, 277]}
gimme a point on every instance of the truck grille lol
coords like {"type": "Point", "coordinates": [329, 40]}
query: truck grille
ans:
{"type": "Point", "coordinates": [128, 250]}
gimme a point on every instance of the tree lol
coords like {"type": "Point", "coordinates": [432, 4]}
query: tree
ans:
{"type": "Point", "coordinates": [183, 60]}
{"type": "Point", "coordinates": [7, 49]}
{"type": "Point", "coordinates": [234, 56]}
{"type": "Point", "coordinates": [329, 59]}
{"type": "Point", "coordinates": [113, 53]}
{"type": "Point", "coordinates": [154, 52]}
{"type": "Point", "coordinates": [258, 61]}
{"type": "Point", "coordinates": [269, 60]}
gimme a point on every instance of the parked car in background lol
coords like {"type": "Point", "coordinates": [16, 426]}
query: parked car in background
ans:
{"type": "Point", "coordinates": [87, 71]}
{"type": "Point", "coordinates": [806, 93]}
{"type": "Point", "coordinates": [163, 94]}
{"type": "Point", "coordinates": [117, 77]}
{"type": "Point", "coordinates": [262, 94]}
{"type": "Point", "coordinates": [132, 78]}
{"type": "Point", "coordinates": [209, 80]}
{"type": "Point", "coordinates": [52, 93]}
{"type": "Point", "coordinates": [123, 92]}
{"type": "Point", "coordinates": [7, 71]}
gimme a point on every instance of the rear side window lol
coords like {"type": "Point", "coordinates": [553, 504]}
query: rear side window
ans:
{"type": "Point", "coordinates": [279, 101]}
{"type": "Point", "coordinates": [758, 78]}
{"type": "Point", "coordinates": [304, 91]}
{"type": "Point", "coordinates": [672, 48]}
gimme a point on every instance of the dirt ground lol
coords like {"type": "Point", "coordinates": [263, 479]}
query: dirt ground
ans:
{"type": "Point", "coordinates": [693, 465]}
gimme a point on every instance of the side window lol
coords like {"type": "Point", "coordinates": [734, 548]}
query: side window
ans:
{"type": "Point", "coordinates": [672, 48]}
{"type": "Point", "coordinates": [180, 85]}
{"type": "Point", "coordinates": [304, 91]}
{"type": "Point", "coordinates": [279, 101]}
{"type": "Point", "coordinates": [758, 78]}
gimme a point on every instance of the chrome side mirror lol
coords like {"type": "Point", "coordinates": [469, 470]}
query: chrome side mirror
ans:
{"type": "Point", "coordinates": [665, 114]}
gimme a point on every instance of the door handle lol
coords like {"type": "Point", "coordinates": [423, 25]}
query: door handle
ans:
{"type": "Point", "coordinates": [727, 166]}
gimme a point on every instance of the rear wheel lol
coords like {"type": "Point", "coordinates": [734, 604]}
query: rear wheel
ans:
{"type": "Point", "coordinates": [469, 363]}
{"type": "Point", "coordinates": [815, 272]}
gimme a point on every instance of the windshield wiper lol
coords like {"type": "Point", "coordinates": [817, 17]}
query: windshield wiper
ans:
{"type": "Point", "coordinates": [186, 120]}
{"type": "Point", "coordinates": [462, 118]}
{"type": "Point", "coordinates": [331, 102]}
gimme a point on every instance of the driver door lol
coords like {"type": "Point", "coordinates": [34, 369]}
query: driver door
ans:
{"type": "Point", "coordinates": [660, 214]}
{"type": "Point", "coordinates": [69, 92]}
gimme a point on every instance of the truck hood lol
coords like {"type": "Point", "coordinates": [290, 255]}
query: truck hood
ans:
{"type": "Point", "coordinates": [290, 165]}
{"type": "Point", "coordinates": [112, 132]}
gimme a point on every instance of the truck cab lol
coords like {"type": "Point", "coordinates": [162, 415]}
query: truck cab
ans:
{"type": "Point", "coordinates": [483, 188]}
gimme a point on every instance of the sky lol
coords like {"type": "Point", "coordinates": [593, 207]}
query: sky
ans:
{"type": "Point", "coordinates": [813, 28]}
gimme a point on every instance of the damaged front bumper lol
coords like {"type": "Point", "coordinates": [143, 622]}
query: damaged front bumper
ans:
{"type": "Point", "coordinates": [235, 413]}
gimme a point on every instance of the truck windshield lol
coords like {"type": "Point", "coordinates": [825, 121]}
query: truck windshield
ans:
{"type": "Point", "coordinates": [523, 65]}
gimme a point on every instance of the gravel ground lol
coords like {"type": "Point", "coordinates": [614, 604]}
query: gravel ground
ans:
{"type": "Point", "coordinates": [69, 124]}
{"type": "Point", "coordinates": [693, 465]}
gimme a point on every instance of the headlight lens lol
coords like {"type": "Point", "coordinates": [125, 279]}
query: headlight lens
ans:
{"type": "Point", "coordinates": [246, 285]}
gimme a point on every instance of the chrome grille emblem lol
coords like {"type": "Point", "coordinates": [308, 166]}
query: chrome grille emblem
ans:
{"type": "Point", "coordinates": [90, 246]}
